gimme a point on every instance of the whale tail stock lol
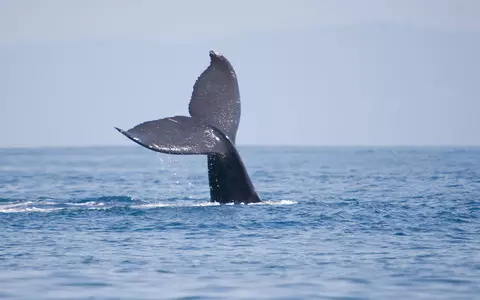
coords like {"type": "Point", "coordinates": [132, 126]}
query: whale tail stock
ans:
{"type": "Point", "coordinates": [211, 130]}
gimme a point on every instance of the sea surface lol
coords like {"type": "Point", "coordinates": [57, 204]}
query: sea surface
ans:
{"type": "Point", "coordinates": [336, 223]}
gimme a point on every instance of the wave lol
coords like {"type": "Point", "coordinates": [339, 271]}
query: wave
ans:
{"type": "Point", "coordinates": [27, 209]}
{"type": "Point", "coordinates": [206, 204]}
{"type": "Point", "coordinates": [111, 202]}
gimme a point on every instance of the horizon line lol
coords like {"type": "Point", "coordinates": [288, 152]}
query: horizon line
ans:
{"type": "Point", "coordinates": [27, 147]}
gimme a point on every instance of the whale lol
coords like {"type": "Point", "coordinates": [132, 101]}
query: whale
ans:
{"type": "Point", "coordinates": [210, 130]}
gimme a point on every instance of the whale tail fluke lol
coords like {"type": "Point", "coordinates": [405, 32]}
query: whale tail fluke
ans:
{"type": "Point", "coordinates": [216, 96]}
{"type": "Point", "coordinates": [211, 130]}
{"type": "Point", "coordinates": [178, 135]}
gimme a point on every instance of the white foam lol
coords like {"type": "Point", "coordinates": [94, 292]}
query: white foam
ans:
{"type": "Point", "coordinates": [189, 204]}
{"type": "Point", "coordinates": [275, 202]}
{"type": "Point", "coordinates": [28, 206]}
{"type": "Point", "coordinates": [19, 204]}
{"type": "Point", "coordinates": [206, 204]}
{"type": "Point", "coordinates": [89, 203]}
{"type": "Point", "coordinates": [27, 209]}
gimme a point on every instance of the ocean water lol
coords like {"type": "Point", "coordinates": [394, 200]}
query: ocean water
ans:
{"type": "Point", "coordinates": [336, 223]}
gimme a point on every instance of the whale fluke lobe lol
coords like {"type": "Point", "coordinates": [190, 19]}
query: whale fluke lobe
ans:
{"type": "Point", "coordinates": [216, 96]}
{"type": "Point", "coordinates": [177, 135]}
{"type": "Point", "coordinates": [211, 130]}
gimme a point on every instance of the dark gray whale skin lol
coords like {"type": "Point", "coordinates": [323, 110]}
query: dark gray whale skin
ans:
{"type": "Point", "coordinates": [228, 179]}
{"type": "Point", "coordinates": [211, 130]}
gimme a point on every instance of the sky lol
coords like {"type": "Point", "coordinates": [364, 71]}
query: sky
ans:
{"type": "Point", "coordinates": [371, 72]}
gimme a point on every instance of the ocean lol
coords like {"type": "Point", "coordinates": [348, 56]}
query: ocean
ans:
{"type": "Point", "coordinates": [336, 223]}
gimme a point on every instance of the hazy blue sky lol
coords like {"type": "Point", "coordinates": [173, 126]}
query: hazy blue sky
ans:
{"type": "Point", "coordinates": [403, 72]}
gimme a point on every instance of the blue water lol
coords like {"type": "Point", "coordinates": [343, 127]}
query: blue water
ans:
{"type": "Point", "coordinates": [337, 223]}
